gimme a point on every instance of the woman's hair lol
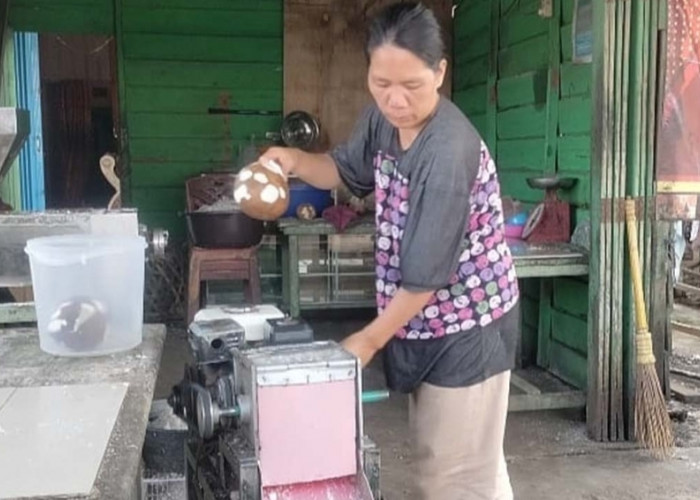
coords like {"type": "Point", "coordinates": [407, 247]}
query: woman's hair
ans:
{"type": "Point", "coordinates": [410, 26]}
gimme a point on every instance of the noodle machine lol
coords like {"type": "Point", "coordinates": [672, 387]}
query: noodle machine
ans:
{"type": "Point", "coordinates": [273, 414]}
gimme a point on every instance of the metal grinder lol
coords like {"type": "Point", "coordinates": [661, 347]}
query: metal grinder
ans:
{"type": "Point", "coordinates": [550, 221]}
{"type": "Point", "coordinates": [276, 421]}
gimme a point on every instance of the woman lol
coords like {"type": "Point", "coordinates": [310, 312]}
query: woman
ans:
{"type": "Point", "coordinates": [446, 287]}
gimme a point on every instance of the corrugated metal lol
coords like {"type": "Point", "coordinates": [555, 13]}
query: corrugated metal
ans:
{"type": "Point", "coordinates": [31, 157]}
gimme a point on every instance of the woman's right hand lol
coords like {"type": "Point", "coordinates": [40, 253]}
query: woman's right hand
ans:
{"type": "Point", "coordinates": [287, 158]}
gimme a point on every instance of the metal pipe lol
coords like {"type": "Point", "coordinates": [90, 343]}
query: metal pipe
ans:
{"type": "Point", "coordinates": [374, 396]}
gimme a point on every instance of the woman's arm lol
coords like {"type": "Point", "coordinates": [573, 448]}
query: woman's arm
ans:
{"type": "Point", "coordinates": [403, 307]}
{"type": "Point", "coordinates": [317, 169]}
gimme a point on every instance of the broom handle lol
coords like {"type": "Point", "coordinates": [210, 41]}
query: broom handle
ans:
{"type": "Point", "coordinates": [639, 307]}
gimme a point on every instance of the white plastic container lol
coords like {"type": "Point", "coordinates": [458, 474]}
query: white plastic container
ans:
{"type": "Point", "coordinates": [88, 292]}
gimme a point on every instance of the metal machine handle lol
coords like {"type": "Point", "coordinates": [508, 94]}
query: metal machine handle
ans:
{"type": "Point", "coordinates": [374, 396]}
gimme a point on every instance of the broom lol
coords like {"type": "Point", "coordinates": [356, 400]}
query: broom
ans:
{"type": "Point", "coordinates": [652, 422]}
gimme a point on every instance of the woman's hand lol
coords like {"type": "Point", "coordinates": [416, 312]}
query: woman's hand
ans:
{"type": "Point", "coordinates": [287, 158]}
{"type": "Point", "coordinates": [361, 345]}
{"type": "Point", "coordinates": [317, 169]}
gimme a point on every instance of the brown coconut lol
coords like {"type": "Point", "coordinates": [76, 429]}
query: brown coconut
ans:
{"type": "Point", "coordinates": [262, 191]}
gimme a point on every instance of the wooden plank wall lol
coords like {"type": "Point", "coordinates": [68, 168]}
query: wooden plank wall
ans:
{"type": "Point", "coordinates": [177, 59]}
{"type": "Point", "coordinates": [325, 69]}
{"type": "Point", "coordinates": [180, 59]}
{"type": "Point", "coordinates": [63, 16]}
{"type": "Point", "coordinates": [515, 79]}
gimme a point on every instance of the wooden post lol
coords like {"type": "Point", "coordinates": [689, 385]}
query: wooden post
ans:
{"type": "Point", "coordinates": [596, 397]}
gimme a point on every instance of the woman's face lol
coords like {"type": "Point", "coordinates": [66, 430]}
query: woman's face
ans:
{"type": "Point", "coordinates": [403, 86]}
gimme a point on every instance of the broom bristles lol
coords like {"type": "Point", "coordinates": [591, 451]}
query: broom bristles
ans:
{"type": "Point", "coordinates": [652, 422]}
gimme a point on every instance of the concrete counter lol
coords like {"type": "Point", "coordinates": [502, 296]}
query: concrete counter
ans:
{"type": "Point", "coordinates": [23, 364]}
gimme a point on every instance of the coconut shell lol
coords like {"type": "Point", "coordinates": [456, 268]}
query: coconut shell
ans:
{"type": "Point", "coordinates": [262, 191]}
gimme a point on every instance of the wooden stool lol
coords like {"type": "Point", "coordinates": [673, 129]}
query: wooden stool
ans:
{"type": "Point", "coordinates": [210, 264]}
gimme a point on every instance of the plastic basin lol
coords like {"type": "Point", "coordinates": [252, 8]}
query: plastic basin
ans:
{"type": "Point", "coordinates": [88, 292]}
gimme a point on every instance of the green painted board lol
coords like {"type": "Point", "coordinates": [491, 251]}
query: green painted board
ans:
{"type": "Point", "coordinates": [529, 309]}
{"type": "Point", "coordinates": [10, 185]}
{"type": "Point", "coordinates": [154, 125]}
{"type": "Point", "coordinates": [480, 122]}
{"type": "Point", "coordinates": [520, 123]}
{"type": "Point", "coordinates": [575, 115]}
{"type": "Point", "coordinates": [575, 154]}
{"type": "Point", "coordinates": [197, 21]}
{"type": "Point", "coordinates": [174, 174]}
{"type": "Point", "coordinates": [580, 194]}
{"type": "Point", "coordinates": [197, 101]}
{"type": "Point", "coordinates": [575, 79]}
{"type": "Point", "coordinates": [571, 296]}
{"type": "Point", "coordinates": [170, 174]}
{"type": "Point", "coordinates": [472, 47]}
{"type": "Point", "coordinates": [567, 46]}
{"type": "Point", "coordinates": [274, 5]}
{"type": "Point", "coordinates": [530, 287]}
{"type": "Point", "coordinates": [528, 88]}
{"type": "Point", "coordinates": [521, 154]}
{"type": "Point", "coordinates": [184, 150]}
{"type": "Point", "coordinates": [514, 184]}
{"type": "Point", "coordinates": [202, 48]}
{"type": "Point", "coordinates": [529, 55]}
{"type": "Point", "coordinates": [170, 220]}
{"type": "Point", "coordinates": [471, 100]}
{"type": "Point", "coordinates": [470, 17]}
{"type": "Point", "coordinates": [476, 73]}
{"type": "Point", "coordinates": [157, 199]}
{"type": "Point", "coordinates": [570, 331]}
{"type": "Point", "coordinates": [59, 17]}
{"type": "Point", "coordinates": [519, 7]}
{"type": "Point", "coordinates": [567, 11]}
{"type": "Point", "coordinates": [581, 214]}
{"type": "Point", "coordinates": [267, 76]}
{"type": "Point", "coordinates": [568, 365]}
{"type": "Point", "coordinates": [515, 29]}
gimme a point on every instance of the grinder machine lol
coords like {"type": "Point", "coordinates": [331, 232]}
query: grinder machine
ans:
{"type": "Point", "coordinates": [272, 413]}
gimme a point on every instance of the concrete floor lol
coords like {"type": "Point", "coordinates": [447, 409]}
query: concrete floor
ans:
{"type": "Point", "coordinates": [548, 453]}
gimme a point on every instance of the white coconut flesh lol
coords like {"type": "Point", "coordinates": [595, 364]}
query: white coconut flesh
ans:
{"type": "Point", "coordinates": [241, 193]}
{"type": "Point", "coordinates": [273, 166]}
{"type": "Point", "coordinates": [261, 178]}
{"type": "Point", "coordinates": [245, 174]}
{"type": "Point", "coordinates": [283, 193]}
{"type": "Point", "coordinates": [269, 194]}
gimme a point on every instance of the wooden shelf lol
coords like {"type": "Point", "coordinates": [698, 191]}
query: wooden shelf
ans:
{"type": "Point", "coordinates": [534, 389]}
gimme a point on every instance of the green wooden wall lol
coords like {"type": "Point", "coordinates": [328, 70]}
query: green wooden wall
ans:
{"type": "Point", "coordinates": [181, 58]}
{"type": "Point", "coordinates": [63, 16]}
{"type": "Point", "coordinates": [176, 60]}
{"type": "Point", "coordinates": [10, 189]}
{"type": "Point", "coordinates": [515, 79]}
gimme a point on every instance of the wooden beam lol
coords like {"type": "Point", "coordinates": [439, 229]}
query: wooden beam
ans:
{"type": "Point", "coordinates": [549, 401]}
{"type": "Point", "coordinates": [14, 312]}
{"type": "Point", "coordinates": [686, 328]}
{"type": "Point", "coordinates": [524, 385]}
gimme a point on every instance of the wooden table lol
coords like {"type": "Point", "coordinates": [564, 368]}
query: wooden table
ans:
{"type": "Point", "coordinates": [531, 261]}
{"type": "Point", "coordinates": [23, 364]}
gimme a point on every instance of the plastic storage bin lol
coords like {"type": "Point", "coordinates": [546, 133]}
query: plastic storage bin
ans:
{"type": "Point", "coordinates": [88, 292]}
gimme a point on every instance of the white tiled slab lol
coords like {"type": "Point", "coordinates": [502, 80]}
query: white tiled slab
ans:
{"type": "Point", "coordinates": [5, 393]}
{"type": "Point", "coordinates": [54, 438]}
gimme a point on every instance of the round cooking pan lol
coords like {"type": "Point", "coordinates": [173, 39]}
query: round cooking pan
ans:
{"type": "Point", "coordinates": [223, 229]}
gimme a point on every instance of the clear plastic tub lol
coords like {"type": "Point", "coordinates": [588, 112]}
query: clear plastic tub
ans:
{"type": "Point", "coordinates": [88, 292]}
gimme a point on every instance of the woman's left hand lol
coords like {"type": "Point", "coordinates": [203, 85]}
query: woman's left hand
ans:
{"type": "Point", "coordinates": [361, 345]}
